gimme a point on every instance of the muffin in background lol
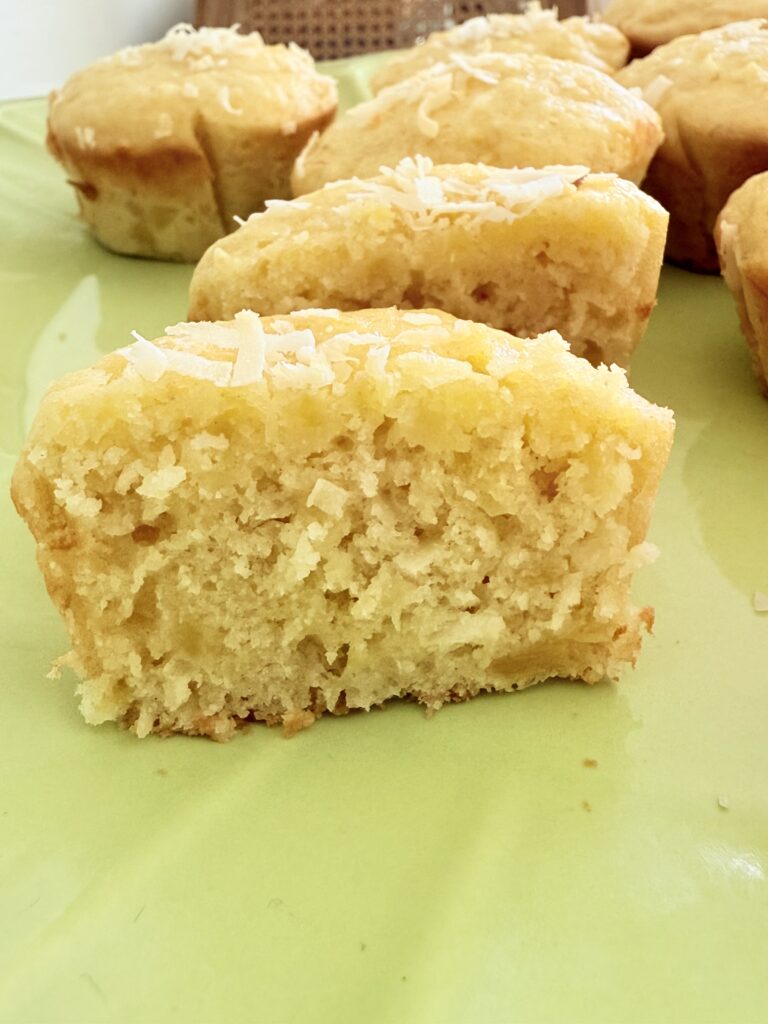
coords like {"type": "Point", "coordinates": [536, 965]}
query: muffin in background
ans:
{"type": "Point", "coordinates": [504, 110]}
{"type": "Point", "coordinates": [651, 23]}
{"type": "Point", "coordinates": [742, 242]}
{"type": "Point", "coordinates": [166, 143]}
{"type": "Point", "coordinates": [582, 40]}
{"type": "Point", "coordinates": [520, 249]}
{"type": "Point", "coordinates": [711, 90]}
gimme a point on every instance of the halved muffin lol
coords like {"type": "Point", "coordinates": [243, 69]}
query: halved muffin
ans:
{"type": "Point", "coordinates": [266, 519]}
{"type": "Point", "coordinates": [523, 250]}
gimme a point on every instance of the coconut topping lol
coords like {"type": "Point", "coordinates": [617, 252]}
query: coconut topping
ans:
{"type": "Point", "coordinates": [290, 356]}
{"type": "Point", "coordinates": [131, 56]}
{"type": "Point", "coordinates": [420, 319]}
{"type": "Point", "coordinates": [226, 102]}
{"type": "Point", "coordinates": [434, 87]}
{"type": "Point", "coordinates": [440, 93]}
{"type": "Point", "coordinates": [502, 194]}
{"type": "Point", "coordinates": [164, 126]}
{"type": "Point", "coordinates": [499, 26]}
{"type": "Point", "coordinates": [486, 77]}
{"type": "Point", "coordinates": [653, 92]}
{"type": "Point", "coordinates": [86, 137]}
{"type": "Point", "coordinates": [184, 41]}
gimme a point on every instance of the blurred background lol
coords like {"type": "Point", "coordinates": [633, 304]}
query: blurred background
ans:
{"type": "Point", "coordinates": [44, 41]}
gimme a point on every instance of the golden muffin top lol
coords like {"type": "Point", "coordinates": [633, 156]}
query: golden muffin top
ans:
{"type": "Point", "coordinates": [598, 45]}
{"type": "Point", "coordinates": [505, 110]}
{"type": "Point", "coordinates": [153, 94]}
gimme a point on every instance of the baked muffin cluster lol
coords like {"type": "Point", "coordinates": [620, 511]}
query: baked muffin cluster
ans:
{"type": "Point", "coordinates": [369, 466]}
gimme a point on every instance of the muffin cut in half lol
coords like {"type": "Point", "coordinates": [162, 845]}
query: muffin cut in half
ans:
{"type": "Point", "coordinates": [267, 519]}
{"type": "Point", "coordinates": [582, 40]}
{"type": "Point", "coordinates": [166, 143]}
{"type": "Point", "coordinates": [711, 91]}
{"type": "Point", "coordinates": [501, 109]}
{"type": "Point", "coordinates": [520, 249]}
{"type": "Point", "coordinates": [742, 242]}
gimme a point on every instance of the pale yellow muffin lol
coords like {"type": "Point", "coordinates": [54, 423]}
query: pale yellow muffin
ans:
{"type": "Point", "coordinates": [742, 242]}
{"type": "Point", "coordinates": [505, 110]}
{"type": "Point", "coordinates": [582, 40]}
{"type": "Point", "coordinates": [523, 250]}
{"type": "Point", "coordinates": [651, 23]}
{"type": "Point", "coordinates": [268, 519]}
{"type": "Point", "coordinates": [711, 91]}
{"type": "Point", "coordinates": [166, 143]}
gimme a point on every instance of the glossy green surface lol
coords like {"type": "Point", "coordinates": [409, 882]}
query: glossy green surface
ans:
{"type": "Point", "coordinates": [385, 867]}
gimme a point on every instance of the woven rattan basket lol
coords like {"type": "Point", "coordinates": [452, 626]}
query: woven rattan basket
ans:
{"type": "Point", "coordinates": [341, 28]}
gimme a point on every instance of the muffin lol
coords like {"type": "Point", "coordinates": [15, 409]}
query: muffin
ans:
{"type": "Point", "coordinates": [166, 143]}
{"type": "Point", "coordinates": [505, 110]}
{"type": "Point", "coordinates": [651, 23]}
{"type": "Point", "coordinates": [711, 91]}
{"type": "Point", "coordinates": [523, 250]}
{"type": "Point", "coordinates": [742, 242]}
{"type": "Point", "coordinates": [269, 519]}
{"type": "Point", "coordinates": [535, 31]}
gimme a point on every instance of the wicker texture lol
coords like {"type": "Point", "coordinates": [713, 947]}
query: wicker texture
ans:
{"type": "Point", "coordinates": [342, 28]}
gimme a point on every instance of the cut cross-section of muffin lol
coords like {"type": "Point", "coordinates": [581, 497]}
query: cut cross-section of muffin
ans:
{"type": "Point", "coordinates": [265, 519]}
{"type": "Point", "coordinates": [524, 250]}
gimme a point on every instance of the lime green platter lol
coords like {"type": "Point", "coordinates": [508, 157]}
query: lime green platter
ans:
{"type": "Point", "coordinates": [566, 854]}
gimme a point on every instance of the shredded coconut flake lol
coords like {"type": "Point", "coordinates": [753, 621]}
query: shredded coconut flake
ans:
{"type": "Point", "coordinates": [295, 375]}
{"type": "Point", "coordinates": [301, 159]}
{"type": "Point", "coordinates": [184, 41]}
{"type": "Point", "coordinates": [654, 91]}
{"type": "Point", "coordinates": [436, 369]}
{"type": "Point", "coordinates": [332, 314]}
{"type": "Point", "coordinates": [486, 77]}
{"type": "Point", "coordinates": [421, 318]}
{"type": "Point", "coordinates": [164, 126]}
{"type": "Point", "coordinates": [204, 63]}
{"type": "Point", "coordinates": [226, 102]}
{"type": "Point", "coordinates": [376, 360]}
{"type": "Point", "coordinates": [147, 359]}
{"type": "Point", "coordinates": [131, 56]}
{"type": "Point", "coordinates": [440, 93]}
{"type": "Point", "coordinates": [282, 204]}
{"type": "Point", "coordinates": [479, 30]}
{"type": "Point", "coordinates": [86, 137]}
{"type": "Point", "coordinates": [191, 365]}
{"type": "Point", "coordinates": [328, 497]}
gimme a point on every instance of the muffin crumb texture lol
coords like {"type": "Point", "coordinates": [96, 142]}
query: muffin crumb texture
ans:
{"type": "Point", "coordinates": [272, 518]}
